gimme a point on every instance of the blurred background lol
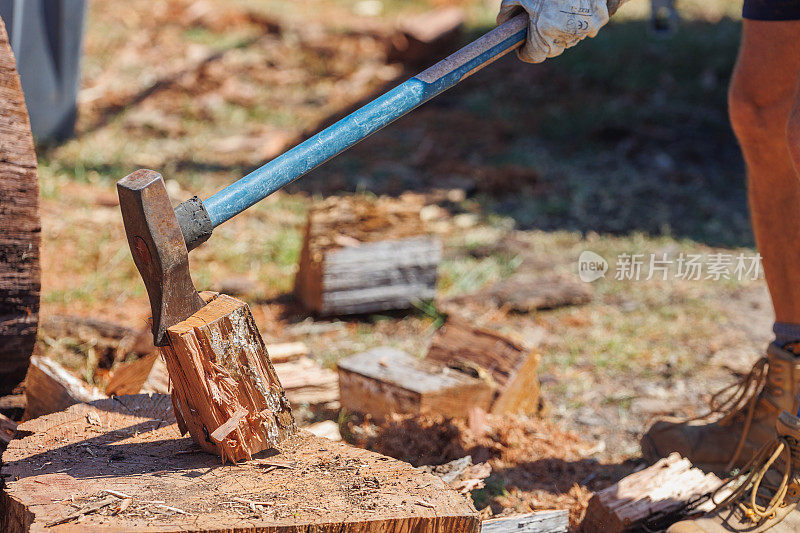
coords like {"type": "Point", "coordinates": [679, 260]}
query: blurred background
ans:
{"type": "Point", "coordinates": [620, 146]}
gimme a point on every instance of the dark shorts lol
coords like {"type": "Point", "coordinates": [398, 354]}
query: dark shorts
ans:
{"type": "Point", "coordinates": [771, 9]}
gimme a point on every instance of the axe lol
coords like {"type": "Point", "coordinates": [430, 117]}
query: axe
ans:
{"type": "Point", "coordinates": [161, 237]}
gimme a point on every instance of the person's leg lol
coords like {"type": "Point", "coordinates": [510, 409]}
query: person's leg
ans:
{"type": "Point", "coordinates": [761, 99]}
{"type": "Point", "coordinates": [793, 131]}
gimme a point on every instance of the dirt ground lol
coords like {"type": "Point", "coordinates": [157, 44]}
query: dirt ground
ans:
{"type": "Point", "coordinates": [621, 146]}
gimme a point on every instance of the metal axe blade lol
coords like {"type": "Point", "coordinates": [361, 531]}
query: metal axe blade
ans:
{"type": "Point", "coordinates": [158, 249]}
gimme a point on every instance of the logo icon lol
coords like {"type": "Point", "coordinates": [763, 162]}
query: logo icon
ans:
{"type": "Point", "coordinates": [591, 266]}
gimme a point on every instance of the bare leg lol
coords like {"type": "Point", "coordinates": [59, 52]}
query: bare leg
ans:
{"type": "Point", "coordinates": [761, 99]}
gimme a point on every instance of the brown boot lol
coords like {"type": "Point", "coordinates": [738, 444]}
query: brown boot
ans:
{"type": "Point", "coordinates": [747, 414]}
{"type": "Point", "coordinates": [765, 495]}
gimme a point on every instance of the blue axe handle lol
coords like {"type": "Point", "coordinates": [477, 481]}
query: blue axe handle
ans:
{"type": "Point", "coordinates": [365, 121]}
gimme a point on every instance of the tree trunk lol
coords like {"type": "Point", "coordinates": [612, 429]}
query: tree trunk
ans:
{"type": "Point", "coordinates": [19, 227]}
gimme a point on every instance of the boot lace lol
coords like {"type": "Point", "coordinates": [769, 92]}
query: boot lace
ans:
{"type": "Point", "coordinates": [737, 397]}
{"type": "Point", "coordinates": [764, 498]}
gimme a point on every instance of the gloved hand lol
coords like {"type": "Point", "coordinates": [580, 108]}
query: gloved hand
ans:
{"type": "Point", "coordinates": [555, 25]}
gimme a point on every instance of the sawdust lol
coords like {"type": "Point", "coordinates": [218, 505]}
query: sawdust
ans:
{"type": "Point", "coordinates": [535, 464]}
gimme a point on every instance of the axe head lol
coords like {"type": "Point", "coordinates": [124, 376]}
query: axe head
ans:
{"type": "Point", "coordinates": [158, 249]}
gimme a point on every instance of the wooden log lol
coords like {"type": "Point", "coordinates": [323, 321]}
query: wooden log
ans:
{"type": "Point", "coordinates": [219, 368]}
{"type": "Point", "coordinates": [20, 228]}
{"type": "Point", "coordinates": [146, 374]}
{"type": "Point", "coordinates": [663, 487]}
{"type": "Point", "coordinates": [383, 381]}
{"type": "Point", "coordinates": [510, 365]}
{"type": "Point", "coordinates": [362, 256]}
{"type": "Point", "coordinates": [306, 381]}
{"type": "Point", "coordinates": [538, 522]}
{"type": "Point", "coordinates": [50, 388]}
{"type": "Point", "coordinates": [131, 471]}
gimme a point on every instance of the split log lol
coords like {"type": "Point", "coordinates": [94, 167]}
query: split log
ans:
{"type": "Point", "coordinates": [363, 256]}
{"type": "Point", "coordinates": [225, 390]}
{"type": "Point", "coordinates": [538, 522]}
{"type": "Point", "coordinates": [507, 362]}
{"type": "Point", "coordinates": [20, 228]}
{"type": "Point", "coordinates": [50, 388]}
{"type": "Point", "coordinates": [121, 465]}
{"type": "Point", "coordinates": [146, 374]}
{"type": "Point", "coordinates": [306, 381]}
{"type": "Point", "coordinates": [383, 381]}
{"type": "Point", "coordinates": [664, 487]}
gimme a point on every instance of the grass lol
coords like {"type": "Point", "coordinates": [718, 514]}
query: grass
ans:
{"type": "Point", "coordinates": [619, 146]}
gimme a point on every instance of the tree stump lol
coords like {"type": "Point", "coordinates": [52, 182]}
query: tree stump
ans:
{"type": "Point", "coordinates": [120, 464]}
{"type": "Point", "coordinates": [225, 390]}
{"type": "Point", "coordinates": [19, 227]}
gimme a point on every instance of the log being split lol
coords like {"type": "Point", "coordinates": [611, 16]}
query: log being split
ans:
{"type": "Point", "coordinates": [120, 465]}
{"type": "Point", "coordinates": [225, 391]}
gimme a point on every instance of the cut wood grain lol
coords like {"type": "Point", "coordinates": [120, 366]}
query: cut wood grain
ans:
{"type": "Point", "coordinates": [308, 485]}
{"type": "Point", "coordinates": [383, 381]}
{"type": "Point", "coordinates": [20, 227]}
{"type": "Point", "coordinates": [538, 522]}
{"type": "Point", "coordinates": [307, 382]}
{"type": "Point", "coordinates": [362, 255]}
{"type": "Point", "coordinates": [663, 487]}
{"type": "Point", "coordinates": [146, 374]}
{"type": "Point", "coordinates": [219, 365]}
{"type": "Point", "coordinates": [507, 362]}
{"type": "Point", "coordinates": [50, 388]}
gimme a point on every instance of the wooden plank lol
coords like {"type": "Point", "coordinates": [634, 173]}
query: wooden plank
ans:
{"type": "Point", "coordinates": [384, 381]}
{"type": "Point", "coordinates": [65, 466]}
{"type": "Point", "coordinates": [219, 365]}
{"type": "Point", "coordinates": [663, 487]}
{"type": "Point", "coordinates": [20, 228]}
{"type": "Point", "coordinates": [508, 362]}
{"type": "Point", "coordinates": [538, 522]}
{"type": "Point", "coordinates": [49, 388]}
{"type": "Point", "coordinates": [364, 255]}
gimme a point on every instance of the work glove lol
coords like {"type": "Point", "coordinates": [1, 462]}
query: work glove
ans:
{"type": "Point", "coordinates": [555, 25]}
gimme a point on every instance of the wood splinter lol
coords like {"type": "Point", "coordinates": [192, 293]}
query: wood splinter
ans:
{"type": "Point", "coordinates": [226, 393]}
